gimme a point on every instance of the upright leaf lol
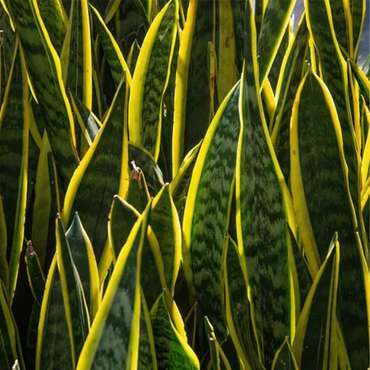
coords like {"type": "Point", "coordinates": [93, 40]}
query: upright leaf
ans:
{"type": "Point", "coordinates": [284, 358]}
{"type": "Point", "coordinates": [113, 341]}
{"type": "Point", "coordinates": [74, 300]}
{"type": "Point", "coordinates": [55, 24]}
{"type": "Point", "coordinates": [322, 205]}
{"type": "Point", "coordinates": [151, 78]}
{"type": "Point", "coordinates": [263, 210]}
{"type": "Point", "coordinates": [14, 136]}
{"type": "Point", "coordinates": [84, 260]}
{"type": "Point", "coordinates": [192, 97]}
{"type": "Point", "coordinates": [207, 210]}
{"type": "Point", "coordinates": [44, 71]}
{"type": "Point", "coordinates": [275, 21]}
{"type": "Point", "coordinates": [172, 350]}
{"type": "Point", "coordinates": [101, 173]}
{"type": "Point", "coordinates": [315, 343]}
{"type": "Point", "coordinates": [54, 347]}
{"type": "Point", "coordinates": [165, 224]}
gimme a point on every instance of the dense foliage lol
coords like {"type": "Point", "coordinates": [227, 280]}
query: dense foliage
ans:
{"type": "Point", "coordinates": [183, 185]}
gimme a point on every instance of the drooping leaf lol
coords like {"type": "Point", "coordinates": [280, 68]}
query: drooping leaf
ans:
{"type": "Point", "coordinates": [151, 78]}
{"type": "Point", "coordinates": [192, 97]}
{"type": "Point", "coordinates": [84, 260]}
{"type": "Point", "coordinates": [172, 350]}
{"type": "Point", "coordinates": [113, 341]}
{"type": "Point", "coordinates": [323, 204]}
{"type": "Point", "coordinates": [262, 215]}
{"type": "Point", "coordinates": [275, 21]}
{"type": "Point", "coordinates": [315, 343]}
{"type": "Point", "coordinates": [102, 172]}
{"type": "Point", "coordinates": [207, 210]}
{"type": "Point", "coordinates": [14, 137]}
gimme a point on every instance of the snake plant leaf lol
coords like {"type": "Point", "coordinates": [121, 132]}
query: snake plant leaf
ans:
{"type": "Point", "coordinates": [46, 205]}
{"type": "Point", "coordinates": [106, 8]}
{"type": "Point", "coordinates": [151, 78]}
{"type": "Point", "coordinates": [4, 268]}
{"type": "Point", "coordinates": [145, 8]}
{"type": "Point", "coordinates": [76, 58]}
{"type": "Point", "coordinates": [319, 164]}
{"type": "Point", "coordinates": [147, 359]}
{"type": "Point", "coordinates": [98, 175]}
{"type": "Point", "coordinates": [192, 97]}
{"type": "Point", "coordinates": [217, 355]}
{"type": "Point", "coordinates": [113, 341]}
{"type": "Point", "coordinates": [55, 23]}
{"type": "Point", "coordinates": [238, 8]}
{"type": "Point", "coordinates": [211, 68]}
{"type": "Point", "coordinates": [207, 210]}
{"type": "Point", "coordinates": [303, 274]}
{"type": "Point", "coordinates": [289, 80]}
{"type": "Point", "coordinates": [8, 346]}
{"type": "Point", "coordinates": [172, 350]}
{"type": "Point", "coordinates": [35, 274]}
{"type": "Point", "coordinates": [226, 61]}
{"type": "Point", "coordinates": [260, 9]}
{"type": "Point", "coordinates": [44, 71]}
{"type": "Point", "coordinates": [284, 358]}
{"type": "Point", "coordinates": [334, 74]}
{"type": "Point", "coordinates": [133, 56]}
{"type": "Point", "coordinates": [54, 347]}
{"type": "Point", "coordinates": [84, 260]}
{"type": "Point", "coordinates": [362, 80]}
{"type": "Point", "coordinates": [7, 49]}
{"type": "Point", "coordinates": [138, 194]}
{"type": "Point", "coordinates": [358, 11]}
{"type": "Point", "coordinates": [275, 22]}
{"type": "Point", "coordinates": [14, 138]}
{"type": "Point", "coordinates": [269, 210]}
{"type": "Point", "coordinates": [315, 343]}
{"type": "Point", "coordinates": [179, 186]}
{"type": "Point", "coordinates": [365, 167]}
{"type": "Point", "coordinates": [340, 18]}
{"type": "Point", "coordinates": [121, 220]}
{"type": "Point", "coordinates": [89, 123]}
{"type": "Point", "coordinates": [275, 70]}
{"type": "Point", "coordinates": [165, 224]}
{"type": "Point", "coordinates": [238, 307]}
{"type": "Point", "coordinates": [268, 100]}
{"type": "Point", "coordinates": [74, 300]}
{"type": "Point", "coordinates": [116, 62]}
{"type": "Point", "coordinates": [146, 162]}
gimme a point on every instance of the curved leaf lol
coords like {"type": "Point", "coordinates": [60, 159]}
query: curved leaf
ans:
{"type": "Point", "coordinates": [284, 358]}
